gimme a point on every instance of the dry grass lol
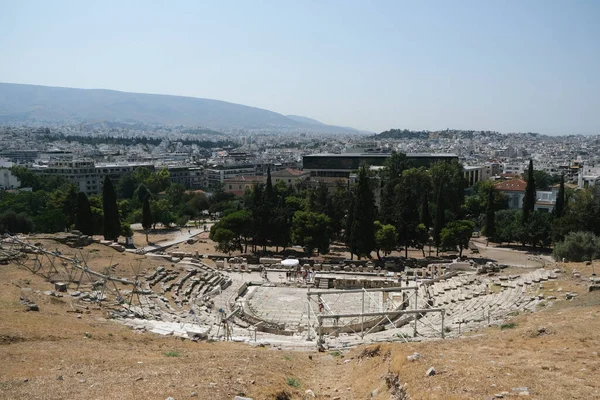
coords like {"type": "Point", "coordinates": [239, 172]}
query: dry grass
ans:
{"type": "Point", "coordinates": [112, 362]}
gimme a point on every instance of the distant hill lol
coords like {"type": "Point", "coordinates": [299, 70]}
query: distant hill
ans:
{"type": "Point", "coordinates": [402, 134]}
{"type": "Point", "coordinates": [45, 104]}
{"type": "Point", "coordinates": [320, 125]}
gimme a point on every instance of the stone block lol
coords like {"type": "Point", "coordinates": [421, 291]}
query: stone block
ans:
{"type": "Point", "coordinates": [60, 287]}
{"type": "Point", "coordinates": [593, 288]}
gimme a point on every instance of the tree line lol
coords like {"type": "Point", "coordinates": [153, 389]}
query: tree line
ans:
{"type": "Point", "coordinates": [135, 140]}
{"type": "Point", "coordinates": [416, 208]}
{"type": "Point", "coordinates": [55, 205]}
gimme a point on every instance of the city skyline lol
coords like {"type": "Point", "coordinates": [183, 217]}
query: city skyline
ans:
{"type": "Point", "coordinates": [508, 68]}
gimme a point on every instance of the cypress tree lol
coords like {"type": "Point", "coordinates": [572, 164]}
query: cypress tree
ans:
{"type": "Point", "coordinates": [70, 206]}
{"type": "Point", "coordinates": [269, 188]}
{"type": "Point", "coordinates": [529, 199]}
{"type": "Point", "coordinates": [490, 216]}
{"type": "Point", "coordinates": [259, 212]}
{"type": "Point", "coordinates": [559, 207]}
{"type": "Point", "coordinates": [84, 221]}
{"type": "Point", "coordinates": [425, 214]}
{"type": "Point", "coordinates": [363, 229]}
{"type": "Point", "coordinates": [112, 225]}
{"type": "Point", "coordinates": [440, 221]}
{"type": "Point", "coordinates": [146, 216]}
{"type": "Point", "coordinates": [268, 214]}
{"type": "Point", "coordinates": [348, 229]}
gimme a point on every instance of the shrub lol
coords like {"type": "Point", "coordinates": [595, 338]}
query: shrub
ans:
{"type": "Point", "coordinates": [577, 247]}
{"type": "Point", "coordinates": [293, 382]}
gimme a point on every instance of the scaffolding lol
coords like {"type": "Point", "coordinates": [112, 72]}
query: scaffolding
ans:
{"type": "Point", "coordinates": [389, 315]}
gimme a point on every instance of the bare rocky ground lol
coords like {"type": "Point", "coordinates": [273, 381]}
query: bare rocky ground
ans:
{"type": "Point", "coordinates": [65, 351]}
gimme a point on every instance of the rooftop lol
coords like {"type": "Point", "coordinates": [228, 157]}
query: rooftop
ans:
{"type": "Point", "coordinates": [382, 155]}
{"type": "Point", "coordinates": [289, 172]}
{"type": "Point", "coordinates": [514, 185]}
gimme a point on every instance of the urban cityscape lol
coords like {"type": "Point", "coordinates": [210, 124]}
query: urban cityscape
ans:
{"type": "Point", "coordinates": [299, 200]}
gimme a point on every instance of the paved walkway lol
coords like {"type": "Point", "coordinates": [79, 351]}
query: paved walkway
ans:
{"type": "Point", "coordinates": [184, 236]}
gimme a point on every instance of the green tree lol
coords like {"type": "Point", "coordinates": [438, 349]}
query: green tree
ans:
{"type": "Point", "coordinates": [176, 195]}
{"type": "Point", "coordinates": [182, 221]}
{"type": "Point", "coordinates": [112, 225]}
{"type": "Point", "coordinates": [225, 239]}
{"type": "Point", "coordinates": [97, 213]}
{"type": "Point", "coordinates": [259, 209]}
{"type": "Point", "coordinates": [413, 187]}
{"type": "Point", "coordinates": [338, 208]}
{"type": "Point", "coordinates": [543, 180]}
{"type": "Point", "coordinates": [391, 174]}
{"type": "Point", "coordinates": [508, 224]}
{"type": "Point", "coordinates": [490, 217]}
{"type": "Point", "coordinates": [11, 222]}
{"type": "Point", "coordinates": [161, 211]}
{"type": "Point", "coordinates": [269, 193]}
{"type": "Point", "coordinates": [84, 221]}
{"type": "Point", "coordinates": [457, 235]}
{"type": "Point", "coordinates": [425, 214]}
{"type": "Point", "coordinates": [529, 199]}
{"type": "Point", "coordinates": [363, 230]}
{"type": "Point", "coordinates": [147, 220]}
{"type": "Point", "coordinates": [158, 181]}
{"type": "Point", "coordinates": [141, 193]}
{"type": "Point", "coordinates": [559, 207]}
{"type": "Point", "coordinates": [538, 230]}
{"type": "Point", "coordinates": [348, 227]}
{"type": "Point", "coordinates": [448, 184]}
{"type": "Point", "coordinates": [127, 185]}
{"type": "Point", "coordinates": [311, 231]}
{"type": "Point", "coordinates": [386, 238]}
{"type": "Point", "coordinates": [440, 221]}
{"type": "Point", "coordinates": [421, 237]}
{"type": "Point", "coordinates": [582, 213]}
{"type": "Point", "coordinates": [69, 205]}
{"type": "Point", "coordinates": [240, 224]}
{"type": "Point", "coordinates": [577, 247]}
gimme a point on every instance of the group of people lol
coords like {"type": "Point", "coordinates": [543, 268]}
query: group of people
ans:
{"type": "Point", "coordinates": [306, 275]}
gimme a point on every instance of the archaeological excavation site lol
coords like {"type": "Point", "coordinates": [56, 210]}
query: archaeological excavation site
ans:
{"type": "Point", "coordinates": [378, 316]}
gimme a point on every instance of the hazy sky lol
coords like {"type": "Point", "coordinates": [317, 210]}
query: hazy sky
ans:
{"type": "Point", "coordinates": [518, 65]}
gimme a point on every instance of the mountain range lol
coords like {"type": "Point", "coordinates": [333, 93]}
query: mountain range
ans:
{"type": "Point", "coordinates": [21, 103]}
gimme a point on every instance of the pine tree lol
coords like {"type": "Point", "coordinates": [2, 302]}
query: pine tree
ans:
{"type": "Point", "coordinates": [146, 216]}
{"type": "Point", "coordinates": [112, 225]}
{"type": "Point", "coordinates": [529, 199]}
{"type": "Point", "coordinates": [363, 229]}
{"type": "Point", "coordinates": [84, 221]}
{"type": "Point", "coordinates": [490, 216]}
{"type": "Point", "coordinates": [559, 207]}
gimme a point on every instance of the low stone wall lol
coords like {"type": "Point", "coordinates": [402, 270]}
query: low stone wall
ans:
{"type": "Point", "coordinates": [341, 283]}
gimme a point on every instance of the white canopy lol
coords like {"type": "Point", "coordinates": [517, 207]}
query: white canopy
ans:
{"type": "Point", "coordinates": [290, 262]}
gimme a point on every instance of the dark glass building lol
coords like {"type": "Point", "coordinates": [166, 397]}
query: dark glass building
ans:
{"type": "Point", "coordinates": [341, 165]}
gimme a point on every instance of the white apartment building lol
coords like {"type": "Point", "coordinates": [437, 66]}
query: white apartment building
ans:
{"type": "Point", "coordinates": [217, 174]}
{"type": "Point", "coordinates": [116, 170]}
{"type": "Point", "coordinates": [7, 179]}
{"type": "Point", "coordinates": [81, 173]}
{"type": "Point", "coordinates": [477, 173]}
{"type": "Point", "coordinates": [514, 168]}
